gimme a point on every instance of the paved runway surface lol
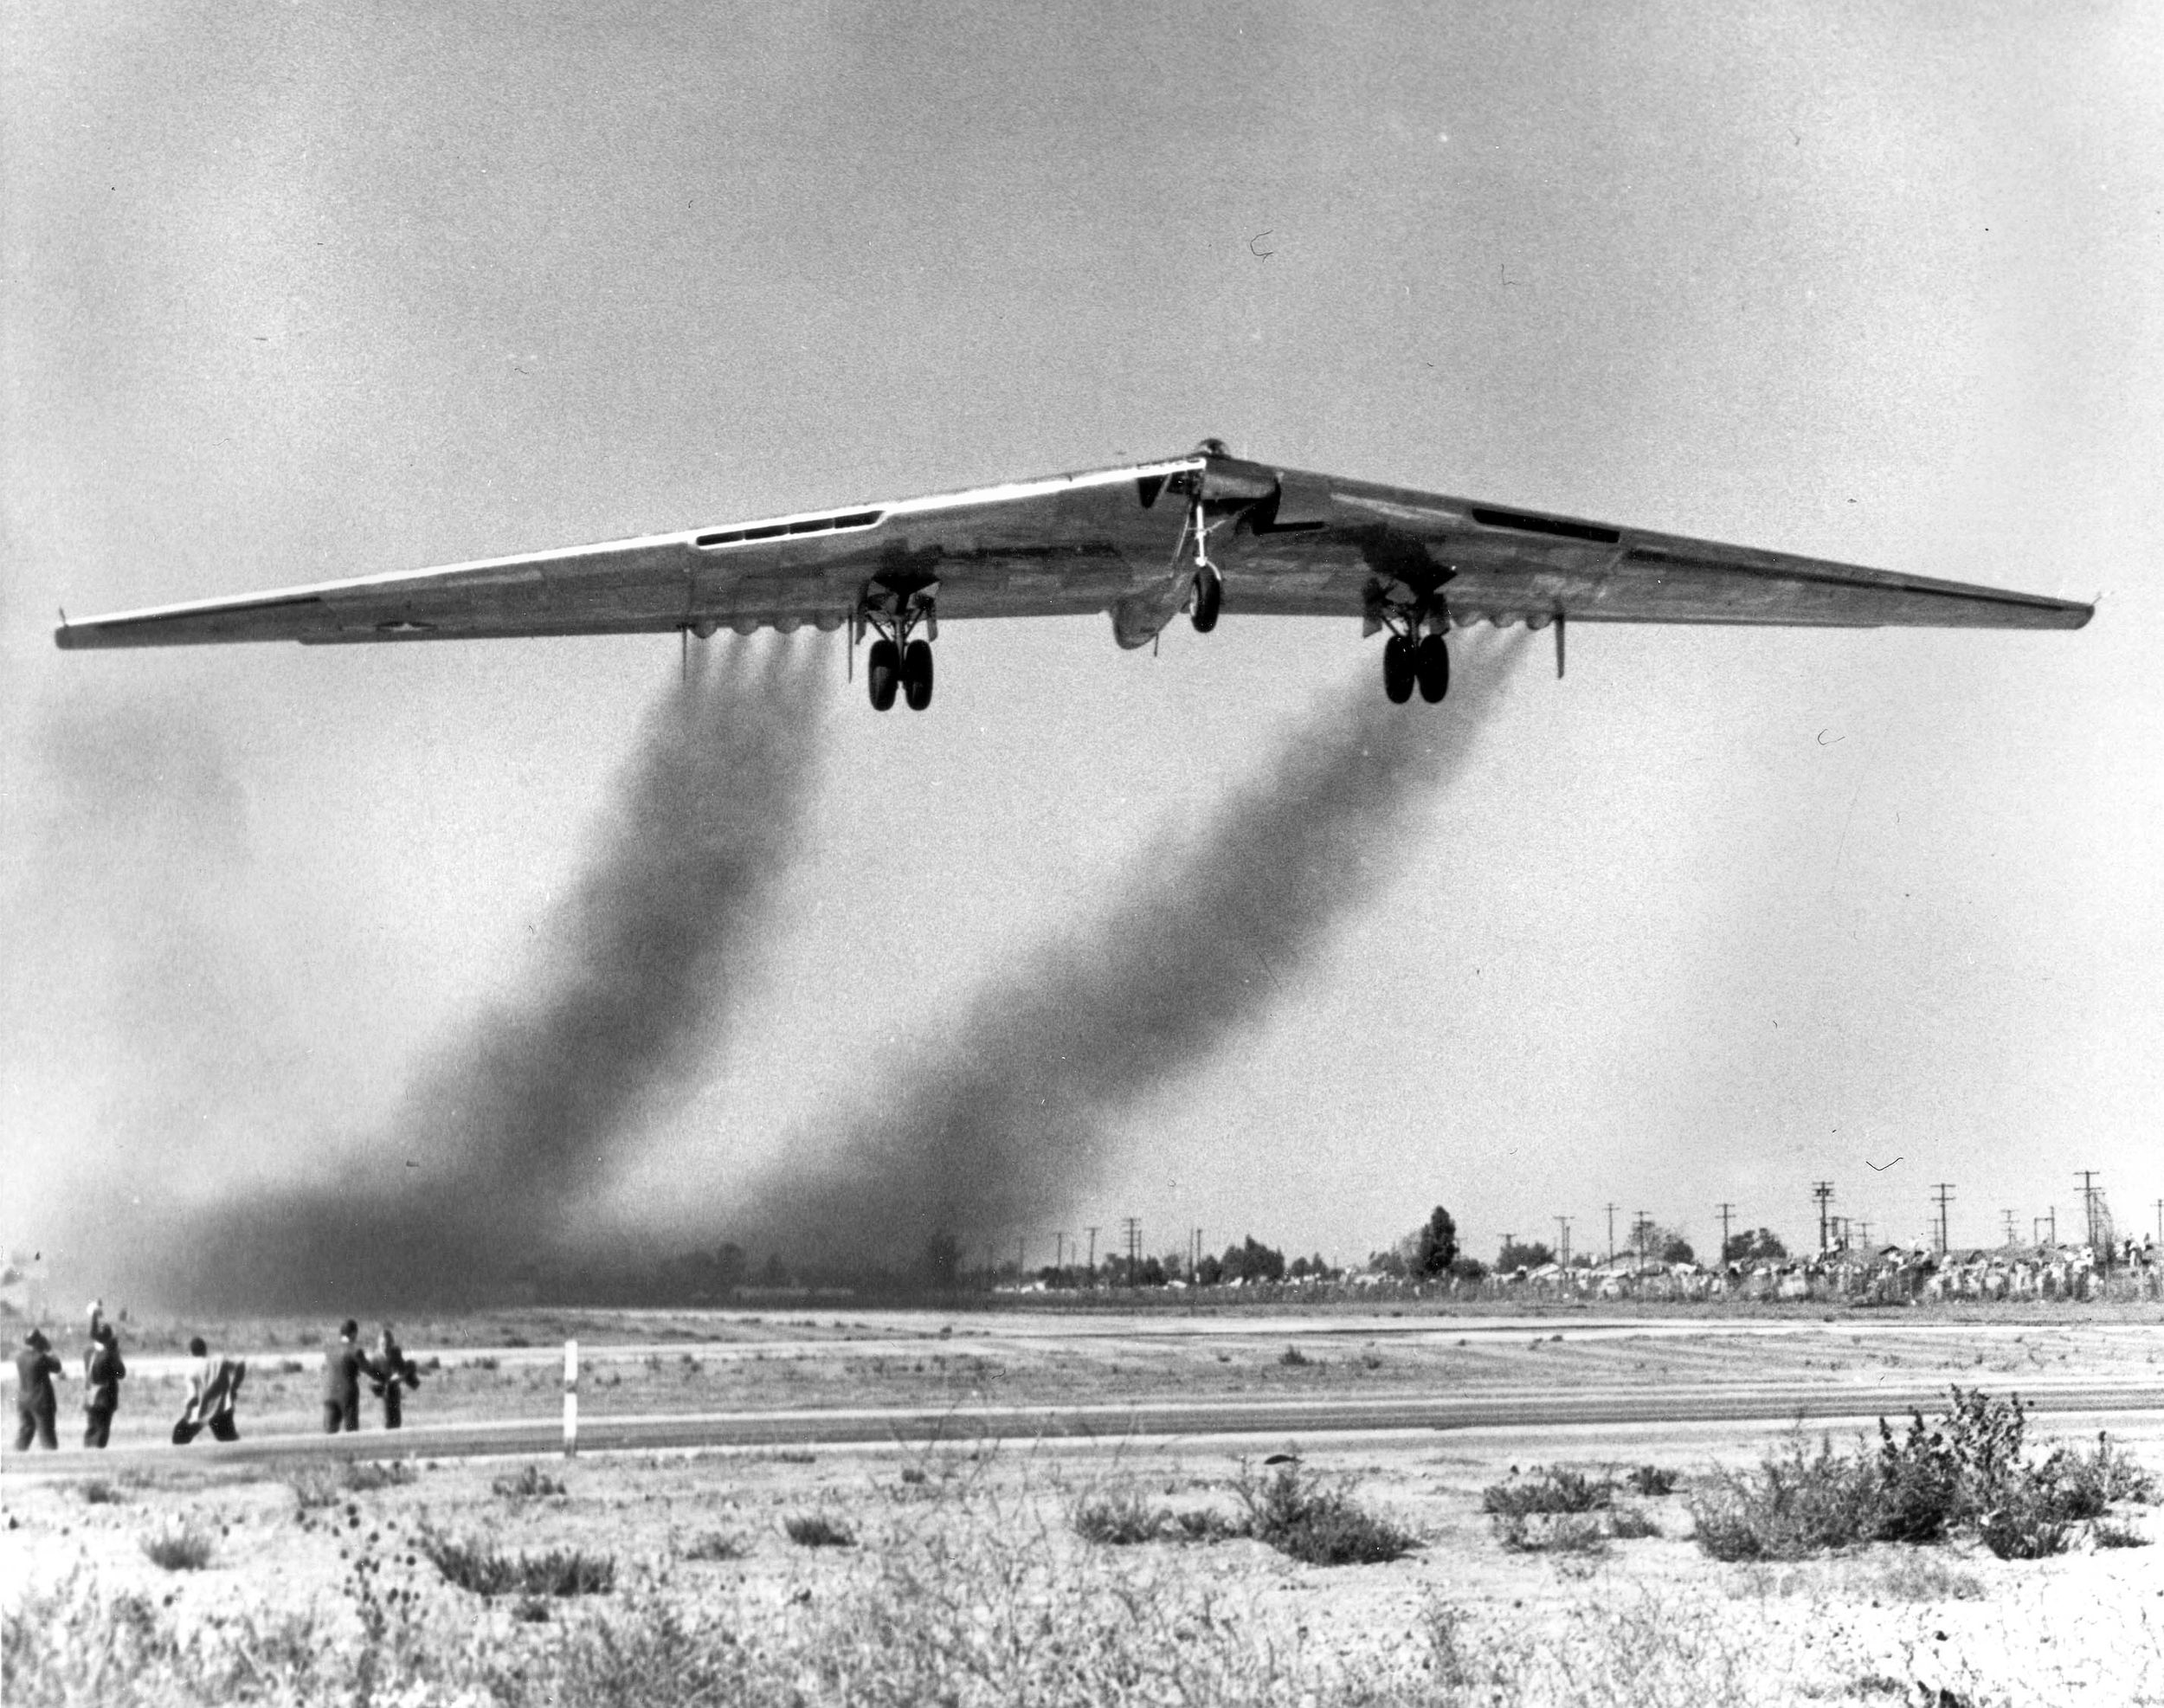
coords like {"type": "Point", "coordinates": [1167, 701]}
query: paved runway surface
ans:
{"type": "Point", "coordinates": [1273, 1420]}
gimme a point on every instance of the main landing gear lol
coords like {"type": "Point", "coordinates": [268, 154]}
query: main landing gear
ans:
{"type": "Point", "coordinates": [898, 663]}
{"type": "Point", "coordinates": [1412, 659]}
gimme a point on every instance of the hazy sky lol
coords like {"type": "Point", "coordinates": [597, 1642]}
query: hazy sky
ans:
{"type": "Point", "coordinates": [299, 291]}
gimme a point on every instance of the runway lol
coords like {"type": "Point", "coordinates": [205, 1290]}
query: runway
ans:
{"type": "Point", "coordinates": [1267, 1421]}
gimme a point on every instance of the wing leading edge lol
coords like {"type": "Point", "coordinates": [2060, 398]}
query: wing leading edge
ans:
{"type": "Point", "coordinates": [1142, 542]}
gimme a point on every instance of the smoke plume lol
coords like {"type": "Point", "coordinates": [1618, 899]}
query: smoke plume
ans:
{"type": "Point", "coordinates": [504, 1138]}
{"type": "Point", "coordinates": [1002, 1124]}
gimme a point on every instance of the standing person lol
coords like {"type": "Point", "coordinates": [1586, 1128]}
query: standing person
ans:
{"type": "Point", "coordinates": [214, 1390]}
{"type": "Point", "coordinates": [103, 1371]}
{"type": "Point", "coordinates": [345, 1366]}
{"type": "Point", "coordinates": [35, 1404]}
{"type": "Point", "coordinates": [394, 1370]}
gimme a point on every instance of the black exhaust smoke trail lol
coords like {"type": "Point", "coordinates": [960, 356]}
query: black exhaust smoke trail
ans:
{"type": "Point", "coordinates": [1002, 1125]}
{"type": "Point", "coordinates": [508, 1136]}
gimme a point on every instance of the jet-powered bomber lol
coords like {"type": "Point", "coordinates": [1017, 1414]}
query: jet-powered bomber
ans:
{"type": "Point", "coordinates": [1205, 534]}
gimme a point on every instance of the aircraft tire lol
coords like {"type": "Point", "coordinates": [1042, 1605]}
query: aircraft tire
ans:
{"type": "Point", "coordinates": [917, 675]}
{"type": "Point", "coordinates": [1430, 665]}
{"type": "Point", "coordinates": [1397, 669]}
{"type": "Point", "coordinates": [1209, 600]}
{"type": "Point", "coordinates": [883, 674]}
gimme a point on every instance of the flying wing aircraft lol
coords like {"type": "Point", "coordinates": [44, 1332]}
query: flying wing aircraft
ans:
{"type": "Point", "coordinates": [1205, 534]}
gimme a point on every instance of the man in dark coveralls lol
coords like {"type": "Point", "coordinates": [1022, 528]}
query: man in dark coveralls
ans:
{"type": "Point", "coordinates": [103, 1371]}
{"type": "Point", "coordinates": [344, 1368]}
{"type": "Point", "coordinates": [35, 1404]}
{"type": "Point", "coordinates": [393, 1371]}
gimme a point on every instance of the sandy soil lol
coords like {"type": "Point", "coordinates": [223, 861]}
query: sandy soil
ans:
{"type": "Point", "coordinates": [2088, 1626]}
{"type": "Point", "coordinates": [706, 1530]}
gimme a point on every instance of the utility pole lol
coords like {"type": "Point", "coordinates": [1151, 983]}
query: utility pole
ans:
{"type": "Point", "coordinates": [1644, 1228]}
{"type": "Point", "coordinates": [1727, 1211]}
{"type": "Point", "coordinates": [1059, 1253]}
{"type": "Point", "coordinates": [1942, 1193]}
{"type": "Point", "coordinates": [1133, 1225]}
{"type": "Point", "coordinates": [1508, 1240]}
{"type": "Point", "coordinates": [1611, 1232]}
{"type": "Point", "coordinates": [1092, 1254]}
{"type": "Point", "coordinates": [1863, 1237]}
{"type": "Point", "coordinates": [1823, 1191]}
{"type": "Point", "coordinates": [2100, 1231]}
{"type": "Point", "coordinates": [1022, 1264]}
{"type": "Point", "coordinates": [2160, 1221]}
{"type": "Point", "coordinates": [2007, 1216]}
{"type": "Point", "coordinates": [1562, 1248]}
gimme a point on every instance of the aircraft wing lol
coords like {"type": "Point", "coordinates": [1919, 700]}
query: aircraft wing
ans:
{"type": "Point", "coordinates": [1139, 541]}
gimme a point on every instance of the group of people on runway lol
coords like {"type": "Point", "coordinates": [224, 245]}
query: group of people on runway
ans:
{"type": "Point", "coordinates": [214, 1386]}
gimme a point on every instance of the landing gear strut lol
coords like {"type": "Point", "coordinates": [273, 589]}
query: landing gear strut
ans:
{"type": "Point", "coordinates": [1416, 654]}
{"type": "Point", "coordinates": [898, 662]}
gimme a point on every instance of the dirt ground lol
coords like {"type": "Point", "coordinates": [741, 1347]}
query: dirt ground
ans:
{"type": "Point", "coordinates": [1653, 1619]}
{"type": "Point", "coordinates": [2087, 1627]}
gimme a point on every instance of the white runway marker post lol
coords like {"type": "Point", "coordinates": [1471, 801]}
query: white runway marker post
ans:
{"type": "Point", "coordinates": [570, 1399]}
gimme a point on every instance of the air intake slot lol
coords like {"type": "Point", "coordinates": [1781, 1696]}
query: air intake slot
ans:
{"type": "Point", "coordinates": [1546, 525]}
{"type": "Point", "coordinates": [810, 525]}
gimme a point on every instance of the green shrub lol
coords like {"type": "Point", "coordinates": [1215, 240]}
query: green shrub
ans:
{"type": "Point", "coordinates": [817, 1529]}
{"type": "Point", "coordinates": [1294, 1512]}
{"type": "Point", "coordinates": [1796, 1503]}
{"type": "Point", "coordinates": [1548, 1489]}
{"type": "Point", "coordinates": [485, 1569]}
{"type": "Point", "coordinates": [177, 1546]}
{"type": "Point", "coordinates": [2105, 1534]}
{"type": "Point", "coordinates": [1632, 1523]}
{"type": "Point", "coordinates": [98, 1492]}
{"type": "Point", "coordinates": [2082, 1484]}
{"type": "Point", "coordinates": [364, 1475]}
{"type": "Point", "coordinates": [1652, 1482]}
{"type": "Point", "coordinates": [2025, 1527]}
{"type": "Point", "coordinates": [531, 1482]}
{"type": "Point", "coordinates": [1296, 1358]}
{"type": "Point", "coordinates": [1964, 1472]}
{"type": "Point", "coordinates": [1118, 1518]}
{"type": "Point", "coordinates": [717, 1546]}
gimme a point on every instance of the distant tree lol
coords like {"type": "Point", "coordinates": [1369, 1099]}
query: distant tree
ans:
{"type": "Point", "coordinates": [1150, 1272]}
{"type": "Point", "coordinates": [775, 1275]}
{"type": "Point", "coordinates": [1387, 1262]}
{"type": "Point", "coordinates": [942, 1261]}
{"type": "Point", "coordinates": [1251, 1260]}
{"type": "Point", "coordinates": [1759, 1244]}
{"type": "Point", "coordinates": [1469, 1269]}
{"type": "Point", "coordinates": [1298, 1271]}
{"type": "Point", "coordinates": [1677, 1249]}
{"type": "Point", "coordinates": [1209, 1272]}
{"type": "Point", "coordinates": [1523, 1255]}
{"type": "Point", "coordinates": [1435, 1245]}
